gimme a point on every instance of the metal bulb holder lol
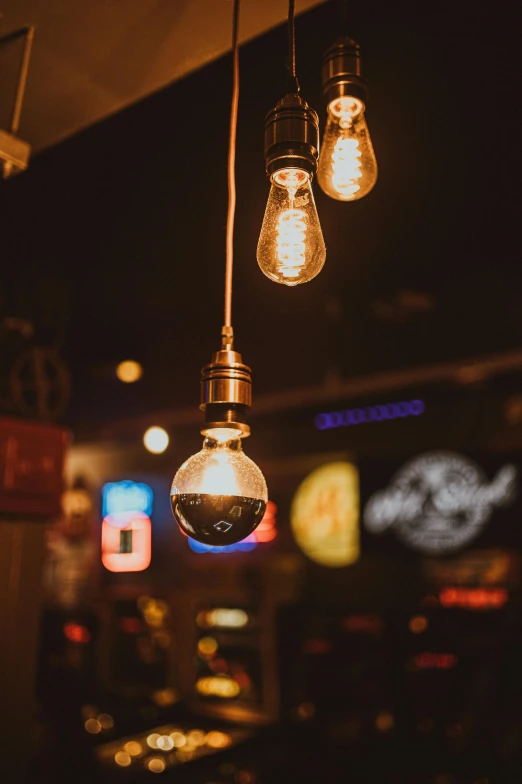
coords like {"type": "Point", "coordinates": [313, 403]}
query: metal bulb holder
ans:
{"type": "Point", "coordinates": [291, 136]}
{"type": "Point", "coordinates": [226, 393]}
{"type": "Point", "coordinates": [342, 72]}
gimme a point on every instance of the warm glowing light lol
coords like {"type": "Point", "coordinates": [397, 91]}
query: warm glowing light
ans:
{"type": "Point", "coordinates": [291, 236]}
{"type": "Point", "coordinates": [106, 721]}
{"type": "Point", "coordinates": [474, 598]}
{"type": "Point", "coordinates": [218, 686]}
{"type": "Point", "coordinates": [133, 748]}
{"type": "Point", "coordinates": [93, 726]}
{"type": "Point", "coordinates": [418, 624]}
{"type": "Point", "coordinates": [347, 166]}
{"type": "Point", "coordinates": [196, 738]}
{"type": "Point", "coordinates": [384, 722]}
{"type": "Point", "coordinates": [156, 440]}
{"type": "Point", "coordinates": [178, 739]}
{"type": "Point", "coordinates": [156, 765]}
{"type": "Point", "coordinates": [165, 743]}
{"type": "Point", "coordinates": [220, 475]}
{"type": "Point", "coordinates": [154, 611]}
{"type": "Point", "coordinates": [122, 758]}
{"type": "Point", "coordinates": [325, 515]}
{"type": "Point", "coordinates": [74, 632]}
{"type": "Point", "coordinates": [126, 549]}
{"type": "Point", "coordinates": [129, 371]}
{"type": "Point", "coordinates": [435, 661]}
{"type": "Point", "coordinates": [223, 617]}
{"type": "Point", "coordinates": [217, 740]}
{"type": "Point", "coordinates": [291, 248]}
{"type": "Point", "coordinates": [207, 646]}
{"type": "Point", "coordinates": [165, 697]}
{"type": "Point", "coordinates": [152, 740]}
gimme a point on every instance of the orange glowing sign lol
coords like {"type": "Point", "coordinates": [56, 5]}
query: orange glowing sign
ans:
{"type": "Point", "coordinates": [474, 598]}
{"type": "Point", "coordinates": [126, 546]}
{"type": "Point", "coordinates": [325, 515]}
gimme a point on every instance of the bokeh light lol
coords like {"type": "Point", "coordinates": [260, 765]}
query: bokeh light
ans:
{"type": "Point", "coordinates": [178, 739]}
{"type": "Point", "coordinates": [418, 624]}
{"type": "Point", "coordinates": [207, 646]}
{"type": "Point", "coordinates": [165, 743]}
{"type": "Point", "coordinates": [93, 726]}
{"type": "Point", "coordinates": [217, 740]}
{"type": "Point", "coordinates": [106, 721]}
{"type": "Point", "coordinates": [156, 765]}
{"type": "Point", "coordinates": [122, 758]}
{"type": "Point", "coordinates": [152, 740]}
{"type": "Point", "coordinates": [133, 748]}
{"type": "Point", "coordinates": [129, 371]}
{"type": "Point", "coordinates": [156, 440]}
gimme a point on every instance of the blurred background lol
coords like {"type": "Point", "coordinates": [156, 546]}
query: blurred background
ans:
{"type": "Point", "coordinates": [371, 628]}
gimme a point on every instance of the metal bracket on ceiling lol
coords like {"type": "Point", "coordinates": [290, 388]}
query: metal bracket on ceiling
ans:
{"type": "Point", "coordinates": [14, 153]}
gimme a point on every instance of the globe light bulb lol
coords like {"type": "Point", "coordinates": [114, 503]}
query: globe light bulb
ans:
{"type": "Point", "coordinates": [347, 165]}
{"type": "Point", "coordinates": [291, 247]}
{"type": "Point", "coordinates": [219, 495]}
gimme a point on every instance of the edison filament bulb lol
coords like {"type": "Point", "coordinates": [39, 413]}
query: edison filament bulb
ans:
{"type": "Point", "coordinates": [291, 247]}
{"type": "Point", "coordinates": [347, 168]}
{"type": "Point", "coordinates": [219, 495]}
{"type": "Point", "coordinates": [347, 165]}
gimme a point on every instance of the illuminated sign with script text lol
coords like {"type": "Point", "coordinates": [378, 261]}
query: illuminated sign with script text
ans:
{"type": "Point", "coordinates": [439, 502]}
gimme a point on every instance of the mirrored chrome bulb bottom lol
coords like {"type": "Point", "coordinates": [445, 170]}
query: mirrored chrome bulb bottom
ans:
{"type": "Point", "coordinates": [217, 519]}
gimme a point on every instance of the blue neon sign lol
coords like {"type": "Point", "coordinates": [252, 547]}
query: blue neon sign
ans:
{"type": "Point", "coordinates": [240, 547]}
{"type": "Point", "coordinates": [126, 496]}
{"type": "Point", "coordinates": [360, 416]}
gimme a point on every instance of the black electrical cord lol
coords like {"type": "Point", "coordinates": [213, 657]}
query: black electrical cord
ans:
{"type": "Point", "coordinates": [293, 82]}
{"type": "Point", "coordinates": [343, 14]}
{"type": "Point", "coordinates": [227, 332]}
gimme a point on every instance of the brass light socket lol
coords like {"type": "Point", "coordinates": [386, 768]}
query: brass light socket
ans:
{"type": "Point", "coordinates": [226, 392]}
{"type": "Point", "coordinates": [342, 71]}
{"type": "Point", "coordinates": [291, 136]}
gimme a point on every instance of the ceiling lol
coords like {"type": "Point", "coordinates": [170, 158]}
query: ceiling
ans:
{"type": "Point", "coordinates": [92, 58]}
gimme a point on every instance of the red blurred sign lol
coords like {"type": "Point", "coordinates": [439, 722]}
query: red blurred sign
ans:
{"type": "Point", "coordinates": [31, 468]}
{"type": "Point", "coordinates": [435, 661]}
{"type": "Point", "coordinates": [474, 598]}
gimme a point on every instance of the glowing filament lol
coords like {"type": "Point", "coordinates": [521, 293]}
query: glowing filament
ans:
{"type": "Point", "coordinates": [291, 236]}
{"type": "Point", "coordinates": [346, 167]}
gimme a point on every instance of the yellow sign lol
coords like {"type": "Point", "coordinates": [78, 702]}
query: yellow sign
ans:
{"type": "Point", "coordinates": [325, 515]}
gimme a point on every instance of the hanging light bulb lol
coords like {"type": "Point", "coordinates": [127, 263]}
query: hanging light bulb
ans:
{"type": "Point", "coordinates": [347, 165]}
{"type": "Point", "coordinates": [219, 495]}
{"type": "Point", "coordinates": [291, 247]}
